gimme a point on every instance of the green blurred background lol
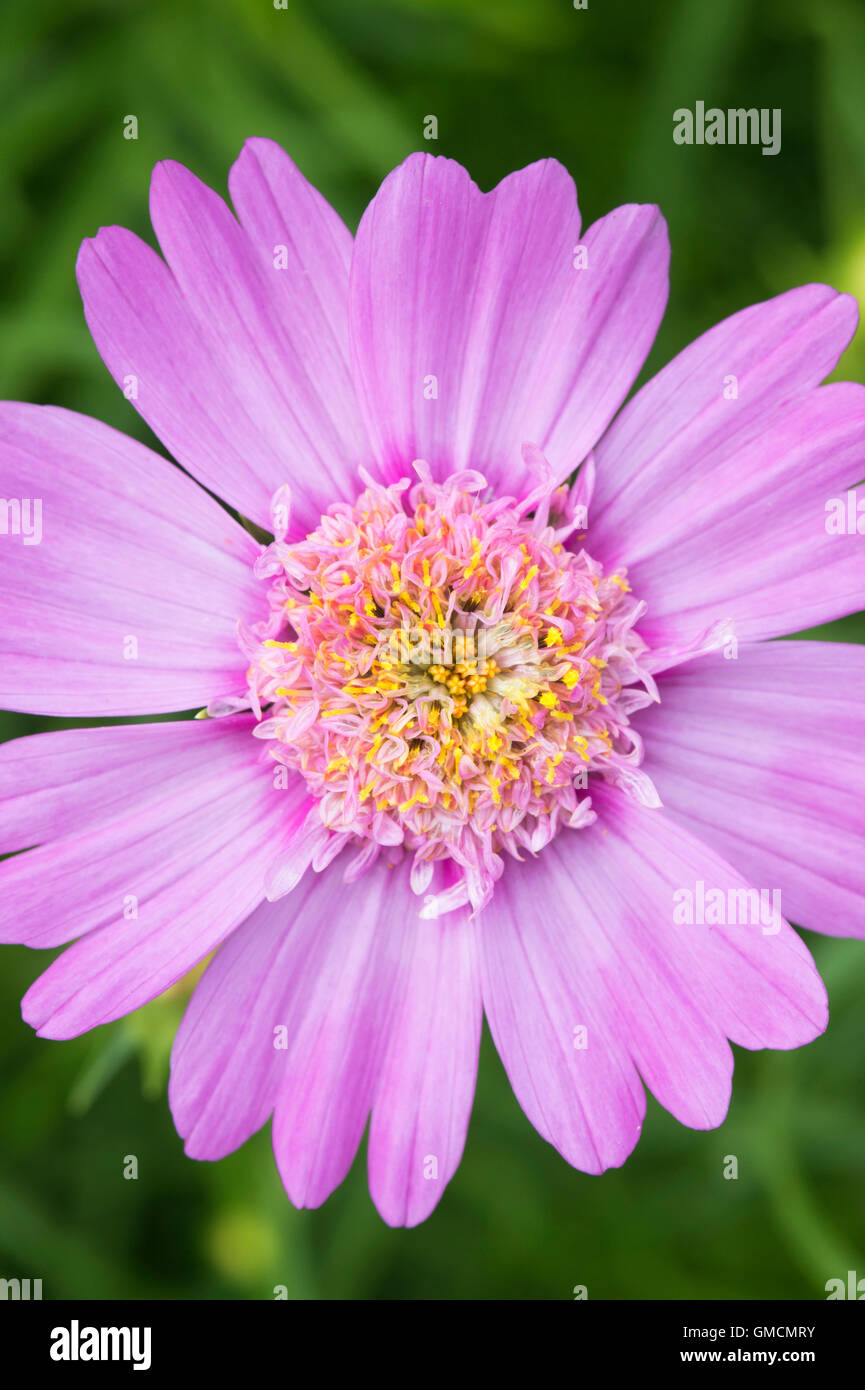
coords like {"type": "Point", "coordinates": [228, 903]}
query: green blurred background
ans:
{"type": "Point", "coordinates": [345, 88]}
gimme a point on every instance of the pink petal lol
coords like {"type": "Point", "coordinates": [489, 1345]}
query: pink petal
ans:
{"type": "Point", "coordinates": [681, 423]}
{"type": "Point", "coordinates": [319, 1007]}
{"type": "Point", "coordinates": [587, 940]}
{"type": "Point", "coordinates": [63, 783]}
{"type": "Point", "coordinates": [588, 1103]}
{"type": "Point", "coordinates": [226, 1066]}
{"type": "Point", "coordinates": [480, 292]}
{"type": "Point", "coordinates": [149, 894]}
{"type": "Point", "coordinates": [345, 958]}
{"type": "Point", "coordinates": [278, 208]}
{"type": "Point", "coordinates": [762, 757]}
{"type": "Point", "coordinates": [131, 551]}
{"type": "Point", "coordinates": [716, 504]}
{"type": "Point", "coordinates": [238, 351]}
{"type": "Point", "coordinates": [426, 1085]}
{"type": "Point", "coordinates": [760, 557]}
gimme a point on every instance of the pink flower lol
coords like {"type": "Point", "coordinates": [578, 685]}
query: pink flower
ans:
{"type": "Point", "coordinates": [480, 739]}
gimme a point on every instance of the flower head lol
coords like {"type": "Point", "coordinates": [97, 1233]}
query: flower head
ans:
{"type": "Point", "coordinates": [494, 723]}
{"type": "Point", "coordinates": [444, 675]}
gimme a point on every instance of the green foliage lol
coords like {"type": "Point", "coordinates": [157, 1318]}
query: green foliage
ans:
{"type": "Point", "coordinates": [346, 87]}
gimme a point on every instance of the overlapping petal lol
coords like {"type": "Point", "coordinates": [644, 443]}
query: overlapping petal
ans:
{"type": "Point", "coordinates": [320, 1010]}
{"type": "Point", "coordinates": [588, 979]}
{"type": "Point", "coordinates": [477, 325]}
{"type": "Point", "coordinates": [129, 602]}
{"type": "Point", "coordinates": [712, 483]}
{"type": "Point", "coordinates": [237, 347]}
{"type": "Point", "coordinates": [151, 890]}
{"type": "Point", "coordinates": [764, 758]}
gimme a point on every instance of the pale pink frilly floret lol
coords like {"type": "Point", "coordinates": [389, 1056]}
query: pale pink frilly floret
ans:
{"type": "Point", "coordinates": [448, 383]}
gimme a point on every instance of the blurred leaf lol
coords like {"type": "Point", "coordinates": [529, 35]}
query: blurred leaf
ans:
{"type": "Point", "coordinates": [108, 1055]}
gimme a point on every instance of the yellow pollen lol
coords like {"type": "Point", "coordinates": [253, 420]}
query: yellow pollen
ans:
{"type": "Point", "coordinates": [524, 583]}
{"type": "Point", "coordinates": [475, 560]}
{"type": "Point", "coordinates": [552, 764]}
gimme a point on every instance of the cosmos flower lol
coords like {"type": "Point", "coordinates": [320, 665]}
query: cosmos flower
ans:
{"type": "Point", "coordinates": [495, 696]}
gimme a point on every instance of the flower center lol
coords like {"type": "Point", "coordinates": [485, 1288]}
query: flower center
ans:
{"type": "Point", "coordinates": [445, 673]}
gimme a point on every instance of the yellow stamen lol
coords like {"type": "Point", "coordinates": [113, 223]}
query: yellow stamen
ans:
{"type": "Point", "coordinates": [524, 583]}
{"type": "Point", "coordinates": [475, 560]}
